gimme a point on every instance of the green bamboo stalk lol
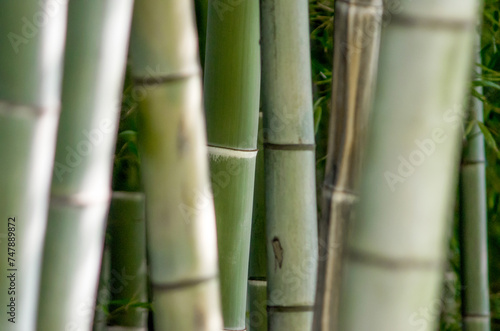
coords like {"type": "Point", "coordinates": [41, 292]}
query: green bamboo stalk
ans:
{"type": "Point", "coordinates": [257, 269]}
{"type": "Point", "coordinates": [95, 58]}
{"type": "Point", "coordinates": [396, 248]}
{"type": "Point", "coordinates": [232, 88]}
{"type": "Point", "coordinates": [473, 224]}
{"type": "Point", "coordinates": [180, 216]}
{"type": "Point", "coordinates": [31, 61]}
{"type": "Point", "coordinates": [291, 217]}
{"type": "Point", "coordinates": [127, 245]}
{"type": "Point", "coordinates": [356, 45]}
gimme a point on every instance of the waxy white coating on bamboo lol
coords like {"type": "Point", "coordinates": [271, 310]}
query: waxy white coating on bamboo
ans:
{"type": "Point", "coordinates": [219, 152]}
{"type": "Point", "coordinates": [231, 98]}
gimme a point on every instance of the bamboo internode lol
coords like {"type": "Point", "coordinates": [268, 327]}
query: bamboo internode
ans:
{"type": "Point", "coordinates": [397, 243]}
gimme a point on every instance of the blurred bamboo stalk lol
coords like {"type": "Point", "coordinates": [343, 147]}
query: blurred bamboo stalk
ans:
{"type": "Point", "coordinates": [232, 88]}
{"type": "Point", "coordinates": [31, 63]}
{"type": "Point", "coordinates": [396, 248]}
{"type": "Point", "coordinates": [356, 46]}
{"type": "Point", "coordinates": [473, 222]}
{"type": "Point", "coordinates": [257, 269]}
{"type": "Point", "coordinates": [95, 58]}
{"type": "Point", "coordinates": [127, 282]}
{"type": "Point", "coordinates": [180, 216]}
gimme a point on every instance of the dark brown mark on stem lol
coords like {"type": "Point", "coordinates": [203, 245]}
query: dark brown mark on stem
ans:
{"type": "Point", "coordinates": [278, 253]}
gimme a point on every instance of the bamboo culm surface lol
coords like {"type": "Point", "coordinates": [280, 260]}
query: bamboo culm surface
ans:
{"type": "Point", "coordinates": [257, 268]}
{"type": "Point", "coordinates": [396, 246]}
{"type": "Point", "coordinates": [127, 282]}
{"type": "Point", "coordinates": [356, 46]}
{"type": "Point", "coordinates": [232, 86]}
{"type": "Point", "coordinates": [291, 216]}
{"type": "Point", "coordinates": [31, 65]}
{"type": "Point", "coordinates": [95, 58]}
{"type": "Point", "coordinates": [473, 224]}
{"type": "Point", "coordinates": [180, 222]}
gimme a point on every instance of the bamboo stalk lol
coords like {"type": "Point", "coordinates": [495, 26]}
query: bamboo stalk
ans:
{"type": "Point", "coordinates": [103, 293]}
{"type": "Point", "coordinates": [396, 248]}
{"type": "Point", "coordinates": [180, 216]}
{"type": "Point", "coordinates": [127, 245]}
{"type": "Point", "coordinates": [232, 86]}
{"type": "Point", "coordinates": [257, 269]}
{"type": "Point", "coordinates": [473, 225]}
{"type": "Point", "coordinates": [95, 58]}
{"type": "Point", "coordinates": [356, 45]}
{"type": "Point", "coordinates": [31, 61]}
{"type": "Point", "coordinates": [291, 217]}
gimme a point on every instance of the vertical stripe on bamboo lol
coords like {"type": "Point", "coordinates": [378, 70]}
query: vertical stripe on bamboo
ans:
{"type": "Point", "coordinates": [356, 46]}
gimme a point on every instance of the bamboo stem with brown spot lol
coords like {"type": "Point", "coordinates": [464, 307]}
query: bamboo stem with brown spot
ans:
{"type": "Point", "coordinates": [291, 216]}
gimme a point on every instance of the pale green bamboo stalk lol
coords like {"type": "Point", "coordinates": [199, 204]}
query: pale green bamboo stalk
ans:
{"type": "Point", "coordinates": [95, 57]}
{"type": "Point", "coordinates": [257, 268]}
{"type": "Point", "coordinates": [396, 249]}
{"type": "Point", "coordinates": [473, 224]}
{"type": "Point", "coordinates": [127, 245]}
{"type": "Point", "coordinates": [291, 217]}
{"type": "Point", "coordinates": [180, 216]}
{"type": "Point", "coordinates": [31, 60]}
{"type": "Point", "coordinates": [356, 46]}
{"type": "Point", "coordinates": [232, 88]}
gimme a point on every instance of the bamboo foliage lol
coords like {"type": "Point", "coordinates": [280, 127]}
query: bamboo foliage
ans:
{"type": "Point", "coordinates": [473, 224]}
{"type": "Point", "coordinates": [95, 57]}
{"type": "Point", "coordinates": [291, 220]}
{"type": "Point", "coordinates": [397, 243]}
{"type": "Point", "coordinates": [180, 216]}
{"type": "Point", "coordinates": [232, 77]}
{"type": "Point", "coordinates": [31, 58]}
{"type": "Point", "coordinates": [356, 44]}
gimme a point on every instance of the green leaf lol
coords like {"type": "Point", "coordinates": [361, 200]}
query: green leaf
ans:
{"type": "Point", "coordinates": [488, 138]}
{"type": "Point", "coordinates": [486, 83]}
{"type": "Point", "coordinates": [318, 110]}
